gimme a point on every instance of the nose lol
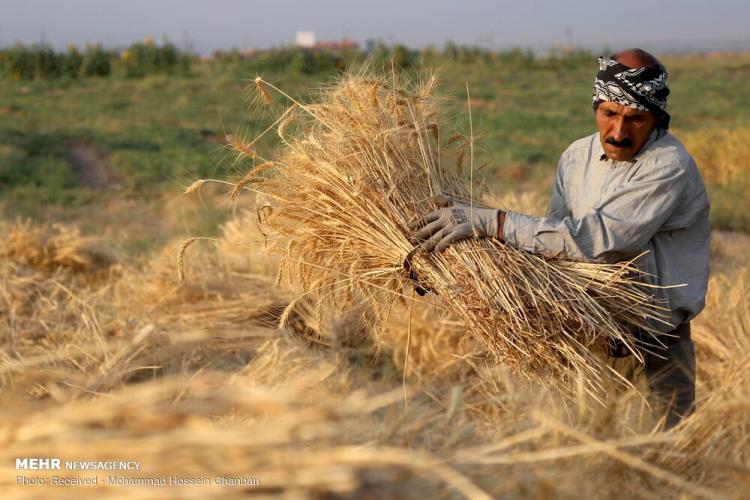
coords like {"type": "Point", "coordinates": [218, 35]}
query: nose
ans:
{"type": "Point", "coordinates": [618, 129]}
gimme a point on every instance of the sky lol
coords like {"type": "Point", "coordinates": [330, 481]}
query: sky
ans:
{"type": "Point", "coordinates": [657, 25]}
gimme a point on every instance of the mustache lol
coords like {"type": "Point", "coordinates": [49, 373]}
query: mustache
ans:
{"type": "Point", "coordinates": [625, 143]}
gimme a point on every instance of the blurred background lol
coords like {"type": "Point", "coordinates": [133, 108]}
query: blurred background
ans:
{"type": "Point", "coordinates": [108, 109]}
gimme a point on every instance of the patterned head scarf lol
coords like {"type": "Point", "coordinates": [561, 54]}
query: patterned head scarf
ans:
{"type": "Point", "coordinates": [645, 89]}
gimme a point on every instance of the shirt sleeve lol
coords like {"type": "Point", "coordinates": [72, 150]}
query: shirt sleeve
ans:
{"type": "Point", "coordinates": [558, 207]}
{"type": "Point", "coordinates": [616, 229]}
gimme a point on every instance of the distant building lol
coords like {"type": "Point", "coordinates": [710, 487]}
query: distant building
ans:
{"type": "Point", "coordinates": [344, 43]}
{"type": "Point", "coordinates": [305, 39]}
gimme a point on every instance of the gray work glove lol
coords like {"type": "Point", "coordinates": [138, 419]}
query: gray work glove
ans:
{"type": "Point", "coordinates": [456, 222]}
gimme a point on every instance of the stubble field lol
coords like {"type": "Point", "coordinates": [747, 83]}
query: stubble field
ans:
{"type": "Point", "coordinates": [107, 355]}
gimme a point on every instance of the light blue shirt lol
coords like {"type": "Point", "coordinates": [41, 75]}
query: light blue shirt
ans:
{"type": "Point", "coordinates": [608, 211]}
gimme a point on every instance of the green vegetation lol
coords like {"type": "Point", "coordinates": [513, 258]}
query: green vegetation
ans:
{"type": "Point", "coordinates": [156, 133]}
{"type": "Point", "coordinates": [37, 61]}
{"type": "Point", "coordinates": [146, 58]}
{"type": "Point", "coordinates": [40, 61]}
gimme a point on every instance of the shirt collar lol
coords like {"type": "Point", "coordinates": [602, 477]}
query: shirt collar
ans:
{"type": "Point", "coordinates": [656, 134]}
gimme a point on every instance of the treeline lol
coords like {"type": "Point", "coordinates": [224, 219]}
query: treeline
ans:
{"type": "Point", "coordinates": [41, 61]}
{"type": "Point", "coordinates": [310, 61]}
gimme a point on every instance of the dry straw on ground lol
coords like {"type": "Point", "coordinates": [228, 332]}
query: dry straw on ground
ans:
{"type": "Point", "coordinates": [192, 379]}
{"type": "Point", "coordinates": [368, 157]}
{"type": "Point", "coordinates": [721, 155]}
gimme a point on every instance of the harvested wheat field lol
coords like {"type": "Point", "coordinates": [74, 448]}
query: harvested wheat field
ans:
{"type": "Point", "coordinates": [290, 358]}
{"type": "Point", "coordinates": [192, 379]}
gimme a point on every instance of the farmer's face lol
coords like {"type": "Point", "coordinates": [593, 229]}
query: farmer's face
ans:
{"type": "Point", "coordinates": [623, 130]}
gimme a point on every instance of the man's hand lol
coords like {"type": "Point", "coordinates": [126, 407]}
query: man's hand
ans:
{"type": "Point", "coordinates": [455, 222]}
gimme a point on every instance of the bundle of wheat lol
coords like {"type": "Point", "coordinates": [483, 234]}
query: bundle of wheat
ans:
{"type": "Point", "coordinates": [356, 167]}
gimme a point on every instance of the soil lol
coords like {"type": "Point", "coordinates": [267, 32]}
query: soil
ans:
{"type": "Point", "coordinates": [89, 164]}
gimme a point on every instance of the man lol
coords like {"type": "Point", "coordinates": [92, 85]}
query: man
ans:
{"type": "Point", "coordinates": [630, 188]}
